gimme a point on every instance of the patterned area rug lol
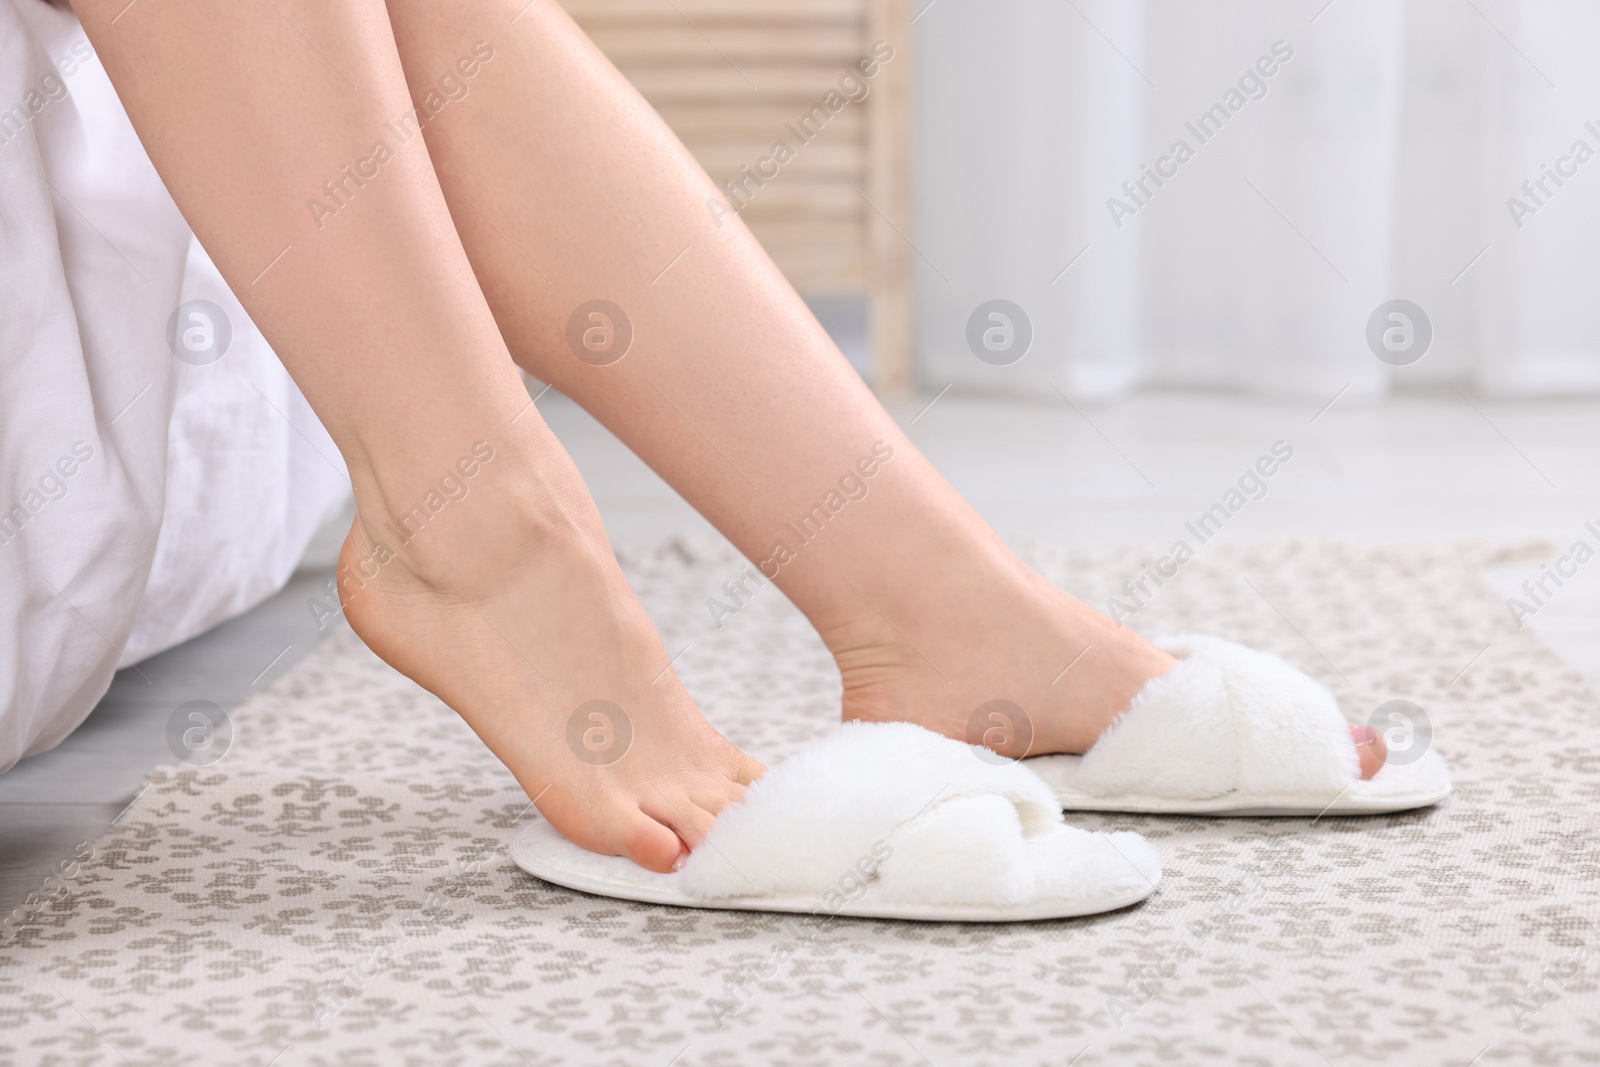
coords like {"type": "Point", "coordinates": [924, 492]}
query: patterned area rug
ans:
{"type": "Point", "coordinates": [336, 889]}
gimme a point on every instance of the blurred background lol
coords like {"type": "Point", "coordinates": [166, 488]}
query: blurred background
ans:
{"type": "Point", "coordinates": [1199, 219]}
{"type": "Point", "coordinates": [1338, 155]}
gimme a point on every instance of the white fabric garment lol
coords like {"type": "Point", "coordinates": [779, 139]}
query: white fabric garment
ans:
{"type": "Point", "coordinates": [143, 499]}
{"type": "Point", "coordinates": [1377, 163]}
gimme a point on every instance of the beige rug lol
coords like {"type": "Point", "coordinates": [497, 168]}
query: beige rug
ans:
{"type": "Point", "coordinates": [336, 889]}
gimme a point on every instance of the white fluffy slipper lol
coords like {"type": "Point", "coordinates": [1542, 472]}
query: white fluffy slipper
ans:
{"type": "Point", "coordinates": [1233, 731]}
{"type": "Point", "coordinates": [886, 820]}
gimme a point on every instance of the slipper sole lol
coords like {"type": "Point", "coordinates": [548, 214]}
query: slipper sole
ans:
{"type": "Point", "coordinates": [541, 851]}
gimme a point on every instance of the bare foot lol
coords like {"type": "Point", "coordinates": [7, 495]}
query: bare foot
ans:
{"type": "Point", "coordinates": [1370, 749]}
{"type": "Point", "coordinates": [1008, 637]}
{"type": "Point", "coordinates": [524, 624]}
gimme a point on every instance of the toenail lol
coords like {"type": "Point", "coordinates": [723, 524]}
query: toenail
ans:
{"type": "Point", "coordinates": [677, 864]}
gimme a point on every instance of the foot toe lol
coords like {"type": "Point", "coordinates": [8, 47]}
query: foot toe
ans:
{"type": "Point", "coordinates": [1370, 749]}
{"type": "Point", "coordinates": [650, 843]}
{"type": "Point", "coordinates": [689, 820]}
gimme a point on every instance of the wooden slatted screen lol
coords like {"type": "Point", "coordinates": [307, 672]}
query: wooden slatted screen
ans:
{"type": "Point", "coordinates": [731, 77]}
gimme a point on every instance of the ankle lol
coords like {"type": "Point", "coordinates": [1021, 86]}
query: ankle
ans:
{"type": "Point", "coordinates": [489, 510]}
{"type": "Point", "coordinates": [947, 615]}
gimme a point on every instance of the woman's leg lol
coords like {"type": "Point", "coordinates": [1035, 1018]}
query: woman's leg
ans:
{"type": "Point", "coordinates": [477, 564]}
{"type": "Point", "coordinates": [566, 188]}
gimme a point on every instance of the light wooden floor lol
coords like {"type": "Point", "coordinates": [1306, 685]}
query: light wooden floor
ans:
{"type": "Point", "coordinates": [1433, 468]}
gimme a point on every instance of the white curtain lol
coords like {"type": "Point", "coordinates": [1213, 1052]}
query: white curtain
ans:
{"type": "Point", "coordinates": [1358, 152]}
